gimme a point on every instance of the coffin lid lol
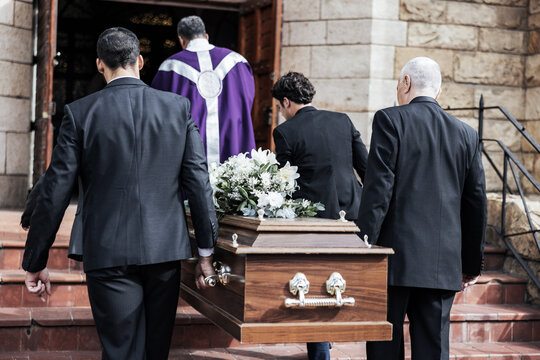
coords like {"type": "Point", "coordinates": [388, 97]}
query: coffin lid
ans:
{"type": "Point", "coordinates": [291, 236]}
{"type": "Point", "coordinates": [300, 224]}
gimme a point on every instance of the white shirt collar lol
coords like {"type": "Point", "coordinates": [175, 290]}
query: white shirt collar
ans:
{"type": "Point", "coordinates": [199, 44]}
{"type": "Point", "coordinates": [121, 77]}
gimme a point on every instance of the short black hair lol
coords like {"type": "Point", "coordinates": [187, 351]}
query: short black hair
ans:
{"type": "Point", "coordinates": [118, 47]}
{"type": "Point", "coordinates": [191, 27]}
{"type": "Point", "coordinates": [295, 87]}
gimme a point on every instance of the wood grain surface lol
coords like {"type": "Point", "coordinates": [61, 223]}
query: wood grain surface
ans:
{"type": "Point", "coordinates": [267, 287]}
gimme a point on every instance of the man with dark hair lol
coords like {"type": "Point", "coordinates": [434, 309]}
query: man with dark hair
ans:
{"type": "Point", "coordinates": [327, 149]}
{"type": "Point", "coordinates": [219, 83]}
{"type": "Point", "coordinates": [425, 197]}
{"type": "Point", "coordinates": [134, 149]}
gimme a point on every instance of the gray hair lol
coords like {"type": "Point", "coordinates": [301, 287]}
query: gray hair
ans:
{"type": "Point", "coordinates": [191, 27]}
{"type": "Point", "coordinates": [425, 75]}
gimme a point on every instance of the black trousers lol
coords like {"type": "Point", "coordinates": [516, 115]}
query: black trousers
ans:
{"type": "Point", "coordinates": [428, 311]}
{"type": "Point", "coordinates": [134, 308]}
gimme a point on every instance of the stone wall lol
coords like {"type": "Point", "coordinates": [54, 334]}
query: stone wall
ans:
{"type": "Point", "coordinates": [482, 48]}
{"type": "Point", "coordinates": [15, 93]}
{"type": "Point", "coordinates": [346, 48]}
{"type": "Point", "coordinates": [532, 84]}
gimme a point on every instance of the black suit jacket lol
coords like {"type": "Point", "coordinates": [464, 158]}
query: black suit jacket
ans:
{"type": "Point", "coordinates": [134, 148]}
{"type": "Point", "coordinates": [424, 195]}
{"type": "Point", "coordinates": [326, 147]}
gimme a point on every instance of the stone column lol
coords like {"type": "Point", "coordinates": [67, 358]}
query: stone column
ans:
{"type": "Point", "coordinates": [15, 93]}
{"type": "Point", "coordinates": [346, 48]}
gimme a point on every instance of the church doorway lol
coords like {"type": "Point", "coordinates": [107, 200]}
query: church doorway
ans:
{"type": "Point", "coordinates": [252, 28]}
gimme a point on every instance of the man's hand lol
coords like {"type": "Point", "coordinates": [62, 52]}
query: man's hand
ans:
{"type": "Point", "coordinates": [38, 283]}
{"type": "Point", "coordinates": [203, 269]}
{"type": "Point", "coordinates": [468, 280]}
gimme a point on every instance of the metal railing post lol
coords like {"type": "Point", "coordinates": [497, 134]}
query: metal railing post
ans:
{"type": "Point", "coordinates": [481, 120]}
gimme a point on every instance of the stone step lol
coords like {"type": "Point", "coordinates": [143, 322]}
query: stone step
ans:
{"type": "Point", "coordinates": [493, 258]}
{"type": "Point", "coordinates": [63, 328]}
{"type": "Point", "coordinates": [356, 351]}
{"type": "Point", "coordinates": [69, 289]}
{"type": "Point", "coordinates": [494, 288]}
{"type": "Point", "coordinates": [485, 323]}
{"type": "Point", "coordinates": [12, 251]}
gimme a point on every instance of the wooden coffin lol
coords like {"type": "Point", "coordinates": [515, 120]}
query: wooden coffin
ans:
{"type": "Point", "coordinates": [258, 258]}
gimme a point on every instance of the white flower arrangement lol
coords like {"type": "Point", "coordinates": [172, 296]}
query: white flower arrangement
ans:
{"type": "Point", "coordinates": [242, 185]}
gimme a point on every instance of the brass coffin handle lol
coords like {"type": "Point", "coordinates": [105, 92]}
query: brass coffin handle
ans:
{"type": "Point", "coordinates": [223, 275]}
{"type": "Point", "coordinates": [335, 285]}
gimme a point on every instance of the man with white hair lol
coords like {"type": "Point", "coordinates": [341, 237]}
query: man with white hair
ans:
{"type": "Point", "coordinates": [424, 196]}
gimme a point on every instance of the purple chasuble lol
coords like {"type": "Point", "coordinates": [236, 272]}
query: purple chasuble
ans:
{"type": "Point", "coordinates": [219, 83]}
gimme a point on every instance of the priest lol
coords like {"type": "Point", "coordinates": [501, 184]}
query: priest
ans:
{"type": "Point", "coordinates": [219, 83]}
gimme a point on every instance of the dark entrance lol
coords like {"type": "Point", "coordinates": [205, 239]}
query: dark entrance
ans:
{"type": "Point", "coordinates": [250, 27]}
{"type": "Point", "coordinates": [81, 21]}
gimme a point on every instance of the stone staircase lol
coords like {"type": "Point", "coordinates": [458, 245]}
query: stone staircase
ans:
{"type": "Point", "coordinates": [489, 321]}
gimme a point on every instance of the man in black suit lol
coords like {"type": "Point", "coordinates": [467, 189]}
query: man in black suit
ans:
{"type": "Point", "coordinates": [424, 196]}
{"type": "Point", "coordinates": [327, 149]}
{"type": "Point", "coordinates": [134, 149]}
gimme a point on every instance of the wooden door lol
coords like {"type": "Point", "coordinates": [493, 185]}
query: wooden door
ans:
{"type": "Point", "coordinates": [260, 42]}
{"type": "Point", "coordinates": [46, 51]}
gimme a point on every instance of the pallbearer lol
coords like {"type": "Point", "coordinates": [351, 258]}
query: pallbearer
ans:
{"type": "Point", "coordinates": [219, 83]}
{"type": "Point", "coordinates": [327, 149]}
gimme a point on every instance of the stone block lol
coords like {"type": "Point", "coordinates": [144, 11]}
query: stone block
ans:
{"type": "Point", "coordinates": [385, 9]}
{"type": "Point", "coordinates": [18, 153]}
{"type": "Point", "coordinates": [534, 42]}
{"type": "Point", "coordinates": [516, 222]}
{"type": "Point", "coordinates": [343, 61]}
{"type": "Point", "coordinates": [345, 95]}
{"type": "Point", "coordinates": [2, 152]}
{"type": "Point", "coordinates": [493, 183]}
{"type": "Point", "coordinates": [15, 79]}
{"type": "Point", "coordinates": [307, 33]}
{"type": "Point", "coordinates": [285, 34]}
{"type": "Point", "coordinates": [7, 11]}
{"type": "Point", "coordinates": [382, 94]}
{"type": "Point", "coordinates": [513, 99]}
{"type": "Point", "coordinates": [15, 44]}
{"type": "Point", "coordinates": [346, 9]}
{"type": "Point", "coordinates": [486, 15]}
{"type": "Point", "coordinates": [296, 58]}
{"type": "Point", "coordinates": [442, 36]}
{"type": "Point", "coordinates": [15, 115]}
{"type": "Point", "coordinates": [388, 32]}
{"type": "Point", "coordinates": [472, 122]}
{"type": "Point", "coordinates": [532, 104]}
{"type": "Point", "coordinates": [23, 14]}
{"type": "Point", "coordinates": [489, 69]}
{"type": "Point", "coordinates": [430, 11]}
{"type": "Point", "coordinates": [534, 6]}
{"type": "Point", "coordinates": [443, 57]}
{"type": "Point", "coordinates": [13, 191]}
{"type": "Point", "coordinates": [457, 96]}
{"type": "Point", "coordinates": [382, 62]}
{"type": "Point", "coordinates": [534, 22]}
{"type": "Point", "coordinates": [522, 3]}
{"type": "Point", "coordinates": [533, 128]}
{"type": "Point", "coordinates": [497, 40]}
{"type": "Point", "coordinates": [505, 132]}
{"type": "Point", "coordinates": [362, 122]}
{"type": "Point", "coordinates": [349, 32]}
{"type": "Point", "coordinates": [294, 10]}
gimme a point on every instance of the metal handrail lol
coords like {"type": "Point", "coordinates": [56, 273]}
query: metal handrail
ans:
{"type": "Point", "coordinates": [509, 161]}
